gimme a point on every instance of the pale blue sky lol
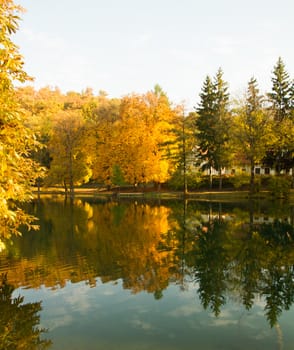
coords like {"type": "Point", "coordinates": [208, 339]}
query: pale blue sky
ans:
{"type": "Point", "coordinates": [125, 46]}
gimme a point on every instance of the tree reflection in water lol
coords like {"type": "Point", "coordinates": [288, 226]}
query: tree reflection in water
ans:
{"type": "Point", "coordinates": [226, 250]}
{"type": "Point", "coordinates": [19, 322]}
{"type": "Point", "coordinates": [249, 260]}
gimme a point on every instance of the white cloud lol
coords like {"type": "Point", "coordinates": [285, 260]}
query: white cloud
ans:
{"type": "Point", "coordinates": [57, 321]}
{"type": "Point", "coordinates": [220, 322]}
{"type": "Point", "coordinates": [136, 323]}
{"type": "Point", "coordinates": [184, 311]}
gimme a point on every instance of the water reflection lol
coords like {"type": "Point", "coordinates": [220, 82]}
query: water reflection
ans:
{"type": "Point", "coordinates": [229, 252]}
{"type": "Point", "coordinates": [258, 265]}
{"type": "Point", "coordinates": [19, 322]}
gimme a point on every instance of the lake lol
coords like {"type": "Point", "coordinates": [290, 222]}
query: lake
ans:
{"type": "Point", "coordinates": [161, 274]}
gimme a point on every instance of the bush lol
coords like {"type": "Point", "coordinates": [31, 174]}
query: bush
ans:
{"type": "Point", "coordinates": [279, 186]}
{"type": "Point", "coordinates": [240, 181]}
{"type": "Point", "coordinates": [177, 181]}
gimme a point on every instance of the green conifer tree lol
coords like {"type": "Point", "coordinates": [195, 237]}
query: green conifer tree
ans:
{"type": "Point", "coordinates": [281, 155]}
{"type": "Point", "coordinates": [212, 124]}
{"type": "Point", "coordinates": [281, 96]}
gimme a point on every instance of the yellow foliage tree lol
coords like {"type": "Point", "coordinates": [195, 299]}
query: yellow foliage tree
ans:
{"type": "Point", "coordinates": [40, 107]}
{"type": "Point", "coordinates": [145, 126]}
{"type": "Point", "coordinates": [102, 115]}
{"type": "Point", "coordinates": [128, 137]}
{"type": "Point", "coordinates": [17, 171]}
{"type": "Point", "coordinates": [70, 164]}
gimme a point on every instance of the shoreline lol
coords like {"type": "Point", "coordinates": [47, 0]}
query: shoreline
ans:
{"type": "Point", "coordinates": [227, 195]}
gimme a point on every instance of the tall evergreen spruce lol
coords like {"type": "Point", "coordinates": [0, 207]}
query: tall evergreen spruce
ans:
{"type": "Point", "coordinates": [280, 156]}
{"type": "Point", "coordinates": [281, 95]}
{"type": "Point", "coordinates": [222, 150]}
{"type": "Point", "coordinates": [254, 100]}
{"type": "Point", "coordinates": [292, 99]}
{"type": "Point", "coordinates": [204, 124]}
{"type": "Point", "coordinates": [212, 125]}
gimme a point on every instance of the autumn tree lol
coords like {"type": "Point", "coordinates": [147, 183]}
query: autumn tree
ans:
{"type": "Point", "coordinates": [126, 136]}
{"type": "Point", "coordinates": [17, 171]}
{"type": "Point", "coordinates": [251, 130]}
{"type": "Point", "coordinates": [39, 109]}
{"type": "Point", "coordinates": [160, 127]}
{"type": "Point", "coordinates": [70, 164]}
{"type": "Point", "coordinates": [101, 115]}
{"type": "Point", "coordinates": [135, 145]}
{"type": "Point", "coordinates": [181, 148]}
{"type": "Point", "coordinates": [145, 125]}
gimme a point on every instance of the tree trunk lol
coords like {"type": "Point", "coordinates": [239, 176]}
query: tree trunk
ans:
{"type": "Point", "coordinates": [220, 178]}
{"type": "Point", "coordinates": [251, 217]}
{"type": "Point", "coordinates": [210, 177]}
{"type": "Point", "coordinates": [219, 212]}
{"type": "Point", "coordinates": [72, 190]}
{"type": "Point", "coordinates": [39, 187]}
{"type": "Point", "coordinates": [184, 160]}
{"type": "Point", "coordinates": [251, 177]}
{"type": "Point", "coordinates": [65, 188]}
{"type": "Point", "coordinates": [71, 182]}
{"type": "Point", "coordinates": [185, 181]}
{"type": "Point", "coordinates": [159, 187]}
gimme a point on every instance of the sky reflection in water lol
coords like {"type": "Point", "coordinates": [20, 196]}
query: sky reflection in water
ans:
{"type": "Point", "coordinates": [139, 276]}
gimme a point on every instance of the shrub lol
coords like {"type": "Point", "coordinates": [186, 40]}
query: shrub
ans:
{"type": "Point", "coordinates": [279, 186]}
{"type": "Point", "coordinates": [241, 180]}
{"type": "Point", "coordinates": [177, 181]}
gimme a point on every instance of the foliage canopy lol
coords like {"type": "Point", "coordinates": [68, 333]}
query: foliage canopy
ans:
{"type": "Point", "coordinates": [17, 170]}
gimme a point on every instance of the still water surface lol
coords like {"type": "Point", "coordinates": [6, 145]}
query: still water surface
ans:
{"type": "Point", "coordinates": [150, 275]}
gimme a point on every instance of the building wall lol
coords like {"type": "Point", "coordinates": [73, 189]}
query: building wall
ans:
{"type": "Point", "coordinates": [258, 170]}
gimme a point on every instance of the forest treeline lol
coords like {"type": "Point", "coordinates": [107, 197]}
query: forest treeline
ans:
{"type": "Point", "coordinates": [51, 138]}
{"type": "Point", "coordinates": [145, 138]}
